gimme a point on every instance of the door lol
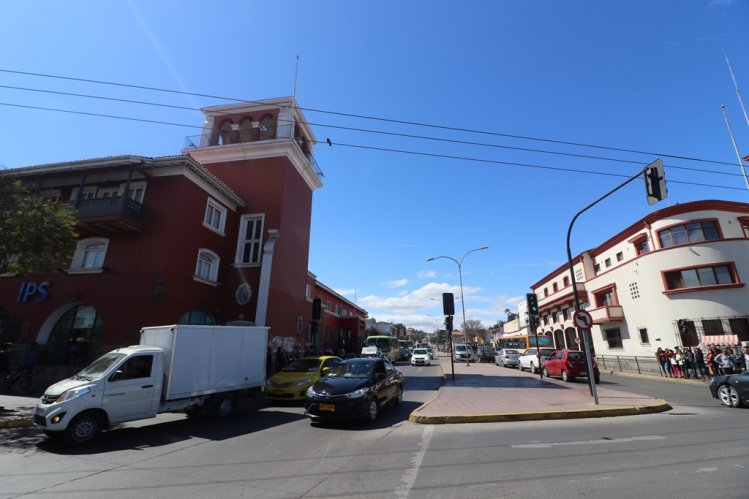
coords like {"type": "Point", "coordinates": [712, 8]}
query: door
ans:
{"type": "Point", "coordinates": [132, 392]}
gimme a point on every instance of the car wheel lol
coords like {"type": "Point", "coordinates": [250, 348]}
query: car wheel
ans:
{"type": "Point", "coordinates": [597, 380]}
{"type": "Point", "coordinates": [546, 373]}
{"type": "Point", "coordinates": [532, 369]}
{"type": "Point", "coordinates": [224, 406]}
{"type": "Point", "coordinates": [729, 396]}
{"type": "Point", "coordinates": [373, 410]}
{"type": "Point", "coordinates": [399, 397]}
{"type": "Point", "coordinates": [566, 377]}
{"type": "Point", "coordinates": [83, 429]}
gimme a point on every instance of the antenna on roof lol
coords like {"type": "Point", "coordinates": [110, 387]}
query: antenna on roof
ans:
{"type": "Point", "coordinates": [735, 147]}
{"type": "Point", "coordinates": [296, 73]}
{"type": "Point", "coordinates": [736, 85]}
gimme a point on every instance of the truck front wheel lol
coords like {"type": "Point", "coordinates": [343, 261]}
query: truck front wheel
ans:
{"type": "Point", "coordinates": [83, 429]}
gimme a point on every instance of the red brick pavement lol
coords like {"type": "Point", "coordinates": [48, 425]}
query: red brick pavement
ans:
{"type": "Point", "coordinates": [487, 393]}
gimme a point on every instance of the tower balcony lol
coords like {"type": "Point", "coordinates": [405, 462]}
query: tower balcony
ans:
{"type": "Point", "coordinates": [110, 215]}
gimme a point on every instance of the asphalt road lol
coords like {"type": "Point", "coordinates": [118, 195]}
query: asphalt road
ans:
{"type": "Point", "coordinates": [697, 450]}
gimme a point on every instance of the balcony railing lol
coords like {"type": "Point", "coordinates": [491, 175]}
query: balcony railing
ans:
{"type": "Point", "coordinates": [607, 313]}
{"type": "Point", "coordinates": [111, 214]}
{"type": "Point", "coordinates": [260, 134]}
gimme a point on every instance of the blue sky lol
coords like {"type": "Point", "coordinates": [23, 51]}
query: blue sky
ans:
{"type": "Point", "coordinates": [640, 75]}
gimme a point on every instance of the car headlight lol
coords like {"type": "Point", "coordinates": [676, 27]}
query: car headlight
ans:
{"type": "Point", "coordinates": [311, 392]}
{"type": "Point", "coordinates": [301, 383]}
{"type": "Point", "coordinates": [74, 393]}
{"type": "Point", "coordinates": [361, 392]}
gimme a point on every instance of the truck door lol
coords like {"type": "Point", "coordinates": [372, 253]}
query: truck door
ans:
{"type": "Point", "coordinates": [133, 392]}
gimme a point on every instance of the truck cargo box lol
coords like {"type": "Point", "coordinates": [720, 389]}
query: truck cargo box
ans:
{"type": "Point", "coordinates": [200, 360]}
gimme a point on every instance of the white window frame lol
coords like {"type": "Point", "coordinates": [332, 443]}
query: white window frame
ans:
{"type": "Point", "coordinates": [212, 260]}
{"type": "Point", "coordinates": [107, 192]}
{"type": "Point", "coordinates": [242, 240]}
{"type": "Point", "coordinates": [137, 190]}
{"type": "Point", "coordinates": [213, 209]}
{"type": "Point", "coordinates": [82, 251]}
{"type": "Point", "coordinates": [89, 192]}
{"type": "Point", "coordinates": [308, 292]}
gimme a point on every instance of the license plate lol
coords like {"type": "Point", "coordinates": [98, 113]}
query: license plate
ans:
{"type": "Point", "coordinates": [327, 407]}
{"type": "Point", "coordinates": [277, 392]}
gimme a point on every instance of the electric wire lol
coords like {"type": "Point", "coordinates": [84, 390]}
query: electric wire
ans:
{"type": "Point", "coordinates": [360, 116]}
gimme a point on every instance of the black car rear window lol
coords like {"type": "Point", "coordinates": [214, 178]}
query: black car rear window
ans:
{"type": "Point", "coordinates": [575, 356]}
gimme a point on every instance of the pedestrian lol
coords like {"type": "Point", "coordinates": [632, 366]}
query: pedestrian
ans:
{"type": "Point", "coordinates": [5, 364]}
{"type": "Point", "coordinates": [689, 363]}
{"type": "Point", "coordinates": [699, 363]}
{"type": "Point", "coordinates": [674, 363]}
{"type": "Point", "coordinates": [726, 361]}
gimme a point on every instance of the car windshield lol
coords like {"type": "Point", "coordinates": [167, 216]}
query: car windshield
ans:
{"type": "Point", "coordinates": [460, 348]}
{"type": "Point", "coordinates": [303, 366]}
{"type": "Point", "coordinates": [101, 365]}
{"type": "Point", "coordinates": [546, 352]}
{"type": "Point", "coordinates": [511, 351]}
{"type": "Point", "coordinates": [420, 351]}
{"type": "Point", "coordinates": [361, 370]}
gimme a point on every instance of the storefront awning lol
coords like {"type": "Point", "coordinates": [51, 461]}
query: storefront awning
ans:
{"type": "Point", "coordinates": [722, 339]}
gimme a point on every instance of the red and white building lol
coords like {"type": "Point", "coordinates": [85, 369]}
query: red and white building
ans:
{"type": "Point", "coordinates": [675, 277]}
{"type": "Point", "coordinates": [217, 234]}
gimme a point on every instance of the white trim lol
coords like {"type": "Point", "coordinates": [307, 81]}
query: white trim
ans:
{"type": "Point", "coordinates": [213, 260]}
{"type": "Point", "coordinates": [216, 207]}
{"type": "Point", "coordinates": [242, 237]}
{"type": "Point", "coordinates": [76, 265]}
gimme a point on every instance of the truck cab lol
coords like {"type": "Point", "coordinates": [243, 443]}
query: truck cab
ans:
{"type": "Point", "coordinates": [122, 385]}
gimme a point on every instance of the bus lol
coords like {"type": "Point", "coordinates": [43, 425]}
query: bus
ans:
{"type": "Point", "coordinates": [524, 342]}
{"type": "Point", "coordinates": [388, 345]}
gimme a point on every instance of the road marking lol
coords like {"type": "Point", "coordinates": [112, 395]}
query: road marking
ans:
{"type": "Point", "coordinates": [409, 477]}
{"type": "Point", "coordinates": [589, 442]}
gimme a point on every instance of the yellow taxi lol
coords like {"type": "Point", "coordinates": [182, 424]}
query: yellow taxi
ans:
{"type": "Point", "coordinates": [292, 381]}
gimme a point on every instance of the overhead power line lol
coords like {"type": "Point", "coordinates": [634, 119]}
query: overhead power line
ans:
{"type": "Point", "coordinates": [382, 149]}
{"type": "Point", "coordinates": [367, 130]}
{"type": "Point", "coordinates": [366, 117]}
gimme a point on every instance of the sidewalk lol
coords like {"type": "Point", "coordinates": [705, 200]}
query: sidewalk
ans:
{"type": "Point", "coordinates": [489, 393]}
{"type": "Point", "coordinates": [16, 411]}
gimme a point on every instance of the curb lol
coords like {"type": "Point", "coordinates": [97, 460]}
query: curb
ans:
{"type": "Point", "coordinates": [661, 406]}
{"type": "Point", "coordinates": [16, 423]}
{"type": "Point", "coordinates": [701, 382]}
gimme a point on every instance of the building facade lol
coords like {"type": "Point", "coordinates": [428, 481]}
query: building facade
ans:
{"type": "Point", "coordinates": [677, 277]}
{"type": "Point", "coordinates": [219, 234]}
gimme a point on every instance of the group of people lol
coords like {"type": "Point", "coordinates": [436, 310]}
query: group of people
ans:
{"type": "Point", "coordinates": [691, 362]}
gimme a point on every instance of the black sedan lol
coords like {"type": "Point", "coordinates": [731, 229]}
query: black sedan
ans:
{"type": "Point", "coordinates": [732, 390]}
{"type": "Point", "coordinates": [355, 388]}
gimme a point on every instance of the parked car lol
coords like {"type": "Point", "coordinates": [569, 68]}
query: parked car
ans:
{"type": "Point", "coordinates": [355, 388]}
{"type": "Point", "coordinates": [569, 364]}
{"type": "Point", "coordinates": [507, 357]}
{"type": "Point", "coordinates": [403, 353]}
{"type": "Point", "coordinates": [462, 352]}
{"type": "Point", "coordinates": [530, 360]}
{"type": "Point", "coordinates": [292, 382]}
{"type": "Point", "coordinates": [732, 390]}
{"type": "Point", "coordinates": [486, 354]}
{"type": "Point", "coordinates": [420, 357]}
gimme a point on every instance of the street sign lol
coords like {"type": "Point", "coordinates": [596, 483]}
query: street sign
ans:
{"type": "Point", "coordinates": [582, 319]}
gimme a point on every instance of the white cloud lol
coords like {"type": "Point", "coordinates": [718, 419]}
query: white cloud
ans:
{"type": "Point", "coordinates": [346, 292]}
{"type": "Point", "coordinates": [426, 274]}
{"type": "Point", "coordinates": [398, 283]}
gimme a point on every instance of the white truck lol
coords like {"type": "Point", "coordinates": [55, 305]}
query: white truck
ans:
{"type": "Point", "coordinates": [180, 368]}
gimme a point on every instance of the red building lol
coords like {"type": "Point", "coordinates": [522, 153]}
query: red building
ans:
{"type": "Point", "coordinates": [219, 234]}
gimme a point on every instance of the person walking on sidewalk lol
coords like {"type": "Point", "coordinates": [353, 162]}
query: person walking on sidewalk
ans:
{"type": "Point", "coordinates": [699, 363]}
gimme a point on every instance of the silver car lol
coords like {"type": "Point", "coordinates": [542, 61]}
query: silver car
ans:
{"type": "Point", "coordinates": [507, 357]}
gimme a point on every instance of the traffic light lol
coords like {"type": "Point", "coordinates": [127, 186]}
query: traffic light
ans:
{"type": "Point", "coordinates": [449, 323]}
{"type": "Point", "coordinates": [532, 301]}
{"type": "Point", "coordinates": [655, 182]}
{"type": "Point", "coordinates": [448, 304]}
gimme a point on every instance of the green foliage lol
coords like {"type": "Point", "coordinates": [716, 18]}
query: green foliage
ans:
{"type": "Point", "coordinates": [36, 233]}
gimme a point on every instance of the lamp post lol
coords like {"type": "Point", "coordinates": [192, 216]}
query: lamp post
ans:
{"type": "Point", "coordinates": [462, 301]}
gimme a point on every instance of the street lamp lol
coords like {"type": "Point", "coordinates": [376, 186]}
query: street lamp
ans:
{"type": "Point", "coordinates": [462, 301]}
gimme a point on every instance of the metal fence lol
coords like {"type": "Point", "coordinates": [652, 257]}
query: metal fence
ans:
{"type": "Point", "coordinates": [622, 363]}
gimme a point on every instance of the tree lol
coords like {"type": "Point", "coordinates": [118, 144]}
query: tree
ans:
{"type": "Point", "coordinates": [38, 234]}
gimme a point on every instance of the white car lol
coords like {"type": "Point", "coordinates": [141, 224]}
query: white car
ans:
{"type": "Point", "coordinates": [529, 359]}
{"type": "Point", "coordinates": [420, 357]}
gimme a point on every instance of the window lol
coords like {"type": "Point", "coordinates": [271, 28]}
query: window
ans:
{"type": "Point", "coordinates": [88, 193]}
{"type": "Point", "coordinates": [215, 216]}
{"type": "Point", "coordinates": [249, 249]}
{"type": "Point", "coordinates": [51, 194]}
{"type": "Point", "coordinates": [90, 254]}
{"type": "Point", "coordinates": [644, 338]}
{"type": "Point", "coordinates": [554, 317]}
{"type": "Point", "coordinates": [688, 233]}
{"type": "Point", "coordinates": [745, 226]}
{"type": "Point", "coordinates": [700, 276]}
{"type": "Point", "coordinates": [597, 268]}
{"type": "Point", "coordinates": [555, 287]}
{"type": "Point", "coordinates": [566, 281]}
{"type": "Point", "coordinates": [634, 290]}
{"type": "Point", "coordinates": [136, 191]}
{"type": "Point", "coordinates": [712, 326]}
{"type": "Point", "coordinates": [605, 297]}
{"type": "Point", "coordinates": [308, 292]}
{"type": "Point", "coordinates": [565, 313]}
{"type": "Point", "coordinates": [197, 316]}
{"type": "Point", "coordinates": [546, 292]}
{"type": "Point", "coordinates": [640, 244]}
{"type": "Point", "coordinates": [613, 337]}
{"type": "Point", "coordinates": [608, 262]}
{"type": "Point", "coordinates": [107, 192]}
{"type": "Point", "coordinates": [619, 256]}
{"type": "Point", "coordinates": [206, 268]}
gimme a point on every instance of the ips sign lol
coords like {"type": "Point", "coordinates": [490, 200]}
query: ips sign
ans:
{"type": "Point", "coordinates": [35, 291]}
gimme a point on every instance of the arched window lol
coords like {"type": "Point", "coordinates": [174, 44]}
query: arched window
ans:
{"type": "Point", "coordinates": [75, 336]}
{"type": "Point", "coordinates": [206, 268]}
{"type": "Point", "coordinates": [267, 127]}
{"type": "Point", "coordinates": [197, 317]}
{"type": "Point", "coordinates": [226, 133]}
{"type": "Point", "coordinates": [246, 132]}
{"type": "Point", "coordinates": [90, 254]}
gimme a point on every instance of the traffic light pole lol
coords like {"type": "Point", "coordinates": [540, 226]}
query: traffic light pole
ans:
{"type": "Point", "coordinates": [586, 333]}
{"type": "Point", "coordinates": [449, 326]}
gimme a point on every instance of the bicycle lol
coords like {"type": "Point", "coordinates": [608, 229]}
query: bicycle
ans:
{"type": "Point", "coordinates": [20, 381]}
